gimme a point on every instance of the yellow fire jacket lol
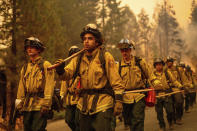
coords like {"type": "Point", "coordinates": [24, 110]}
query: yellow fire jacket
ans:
{"type": "Point", "coordinates": [191, 80]}
{"type": "Point", "coordinates": [34, 90]}
{"type": "Point", "coordinates": [178, 75]}
{"type": "Point", "coordinates": [93, 76]}
{"type": "Point", "coordinates": [164, 85]}
{"type": "Point", "coordinates": [67, 92]}
{"type": "Point", "coordinates": [132, 79]}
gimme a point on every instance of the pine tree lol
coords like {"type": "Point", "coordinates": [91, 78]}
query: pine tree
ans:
{"type": "Point", "coordinates": [193, 14]}
{"type": "Point", "coordinates": [144, 32]}
{"type": "Point", "coordinates": [121, 23]}
{"type": "Point", "coordinates": [114, 26]}
{"type": "Point", "coordinates": [75, 14]}
{"type": "Point", "coordinates": [168, 32]}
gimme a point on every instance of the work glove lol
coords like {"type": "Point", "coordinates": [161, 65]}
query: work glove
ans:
{"type": "Point", "coordinates": [60, 69]}
{"type": "Point", "coordinates": [62, 97]}
{"type": "Point", "coordinates": [118, 108]}
{"type": "Point", "coordinates": [19, 104]}
{"type": "Point", "coordinates": [44, 110]}
{"type": "Point", "coordinates": [186, 89]}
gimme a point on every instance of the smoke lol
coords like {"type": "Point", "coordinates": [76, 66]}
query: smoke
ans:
{"type": "Point", "coordinates": [190, 50]}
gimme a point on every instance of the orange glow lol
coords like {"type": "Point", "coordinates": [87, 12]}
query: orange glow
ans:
{"type": "Point", "coordinates": [182, 8]}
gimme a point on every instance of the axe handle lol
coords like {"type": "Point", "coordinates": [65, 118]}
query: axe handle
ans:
{"type": "Point", "coordinates": [68, 58]}
{"type": "Point", "coordinates": [138, 91]}
{"type": "Point", "coordinates": [175, 92]}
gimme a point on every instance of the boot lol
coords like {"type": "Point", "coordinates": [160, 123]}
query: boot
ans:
{"type": "Point", "coordinates": [179, 122]}
{"type": "Point", "coordinates": [171, 126]}
{"type": "Point", "coordinates": [162, 129]}
{"type": "Point", "coordinates": [126, 127]}
{"type": "Point", "coordinates": [187, 111]}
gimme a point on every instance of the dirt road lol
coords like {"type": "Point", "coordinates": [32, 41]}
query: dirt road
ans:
{"type": "Point", "coordinates": [151, 123]}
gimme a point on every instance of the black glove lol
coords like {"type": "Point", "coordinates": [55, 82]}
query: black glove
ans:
{"type": "Point", "coordinates": [60, 69]}
{"type": "Point", "coordinates": [181, 87]}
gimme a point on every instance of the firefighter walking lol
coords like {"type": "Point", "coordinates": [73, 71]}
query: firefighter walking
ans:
{"type": "Point", "coordinates": [36, 86]}
{"type": "Point", "coordinates": [165, 78]}
{"type": "Point", "coordinates": [101, 91]}
{"type": "Point", "coordinates": [135, 74]}
{"type": "Point", "coordinates": [70, 98]}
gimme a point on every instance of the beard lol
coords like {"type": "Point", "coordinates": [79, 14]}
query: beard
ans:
{"type": "Point", "coordinates": [90, 49]}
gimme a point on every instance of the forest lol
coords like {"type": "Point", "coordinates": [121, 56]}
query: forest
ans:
{"type": "Point", "coordinates": [58, 24]}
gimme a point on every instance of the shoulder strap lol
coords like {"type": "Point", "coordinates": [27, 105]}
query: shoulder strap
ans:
{"type": "Point", "coordinates": [120, 68]}
{"type": "Point", "coordinates": [77, 68]}
{"type": "Point", "coordinates": [41, 66]}
{"type": "Point", "coordinates": [167, 76]}
{"type": "Point", "coordinates": [179, 74]}
{"type": "Point", "coordinates": [24, 69]}
{"type": "Point", "coordinates": [137, 63]}
{"type": "Point", "coordinates": [102, 59]}
{"type": "Point", "coordinates": [192, 77]}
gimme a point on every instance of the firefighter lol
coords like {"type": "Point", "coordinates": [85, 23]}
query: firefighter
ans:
{"type": "Point", "coordinates": [135, 74]}
{"type": "Point", "coordinates": [101, 86]}
{"type": "Point", "coordinates": [166, 79]}
{"type": "Point", "coordinates": [182, 69]}
{"type": "Point", "coordinates": [178, 99]}
{"type": "Point", "coordinates": [192, 90]}
{"type": "Point", "coordinates": [70, 98]}
{"type": "Point", "coordinates": [36, 86]}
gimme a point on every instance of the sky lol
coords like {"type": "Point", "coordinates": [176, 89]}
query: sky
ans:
{"type": "Point", "coordinates": [181, 7]}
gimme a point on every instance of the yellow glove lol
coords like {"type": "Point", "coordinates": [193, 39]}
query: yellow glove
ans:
{"type": "Point", "coordinates": [118, 108]}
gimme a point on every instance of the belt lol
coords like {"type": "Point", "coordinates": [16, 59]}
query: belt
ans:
{"type": "Point", "coordinates": [29, 94]}
{"type": "Point", "coordinates": [96, 92]}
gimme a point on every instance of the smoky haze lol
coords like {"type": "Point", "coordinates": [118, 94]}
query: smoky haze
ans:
{"type": "Point", "coordinates": [152, 36]}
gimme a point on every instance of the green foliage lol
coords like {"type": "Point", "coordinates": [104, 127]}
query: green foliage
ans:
{"type": "Point", "coordinates": [119, 22]}
{"type": "Point", "coordinates": [114, 28]}
{"type": "Point", "coordinates": [74, 15]}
